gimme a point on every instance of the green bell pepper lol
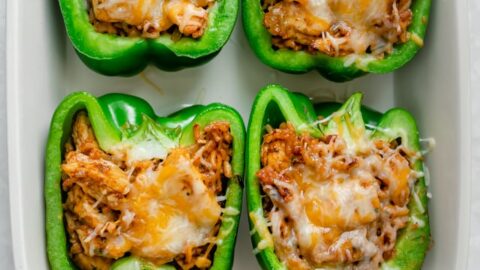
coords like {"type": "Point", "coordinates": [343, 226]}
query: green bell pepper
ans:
{"type": "Point", "coordinates": [333, 68]}
{"type": "Point", "coordinates": [119, 119]}
{"type": "Point", "coordinates": [114, 55]}
{"type": "Point", "coordinates": [132, 263]}
{"type": "Point", "coordinates": [274, 105]}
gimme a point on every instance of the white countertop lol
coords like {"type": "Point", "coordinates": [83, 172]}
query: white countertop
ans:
{"type": "Point", "coordinates": [6, 258]}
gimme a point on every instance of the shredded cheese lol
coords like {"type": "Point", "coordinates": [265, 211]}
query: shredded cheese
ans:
{"type": "Point", "coordinates": [231, 211]}
{"type": "Point", "coordinates": [417, 221]}
{"type": "Point", "coordinates": [418, 202]}
{"type": "Point", "coordinates": [260, 226]}
{"type": "Point", "coordinates": [151, 17]}
{"type": "Point", "coordinates": [340, 27]}
{"type": "Point", "coordinates": [338, 200]}
{"type": "Point", "coordinates": [169, 217]}
{"type": "Point", "coordinates": [417, 39]}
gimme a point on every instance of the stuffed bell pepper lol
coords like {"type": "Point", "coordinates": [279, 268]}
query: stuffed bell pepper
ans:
{"type": "Point", "coordinates": [342, 39]}
{"type": "Point", "coordinates": [120, 37]}
{"type": "Point", "coordinates": [126, 189]}
{"type": "Point", "coordinates": [336, 187]}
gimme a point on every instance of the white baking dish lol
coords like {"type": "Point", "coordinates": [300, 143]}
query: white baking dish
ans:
{"type": "Point", "coordinates": [42, 68]}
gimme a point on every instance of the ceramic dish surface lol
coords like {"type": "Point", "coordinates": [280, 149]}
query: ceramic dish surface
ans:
{"type": "Point", "coordinates": [42, 68]}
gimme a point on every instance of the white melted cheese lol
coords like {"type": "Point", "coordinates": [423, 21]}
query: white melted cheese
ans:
{"type": "Point", "coordinates": [346, 204]}
{"type": "Point", "coordinates": [156, 14]}
{"type": "Point", "coordinates": [172, 210]}
{"type": "Point", "coordinates": [320, 208]}
{"type": "Point", "coordinates": [358, 239]}
{"type": "Point", "coordinates": [142, 150]}
{"type": "Point", "coordinates": [360, 15]}
{"type": "Point", "coordinates": [417, 221]}
{"type": "Point", "coordinates": [260, 227]}
{"type": "Point", "coordinates": [134, 12]}
{"type": "Point", "coordinates": [329, 215]}
{"type": "Point", "coordinates": [320, 10]}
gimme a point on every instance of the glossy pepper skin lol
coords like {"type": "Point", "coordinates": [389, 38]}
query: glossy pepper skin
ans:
{"type": "Point", "coordinates": [274, 105]}
{"type": "Point", "coordinates": [114, 55]}
{"type": "Point", "coordinates": [123, 118]}
{"type": "Point", "coordinates": [333, 68]}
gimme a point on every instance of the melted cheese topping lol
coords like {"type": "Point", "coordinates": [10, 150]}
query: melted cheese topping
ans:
{"type": "Point", "coordinates": [154, 16]}
{"type": "Point", "coordinates": [134, 12]}
{"type": "Point", "coordinates": [358, 12]}
{"type": "Point", "coordinates": [344, 205]}
{"type": "Point", "coordinates": [157, 202]}
{"type": "Point", "coordinates": [173, 209]}
{"type": "Point", "coordinates": [339, 27]}
{"type": "Point", "coordinates": [319, 12]}
{"type": "Point", "coordinates": [361, 15]}
{"type": "Point", "coordinates": [335, 204]}
{"type": "Point", "coordinates": [329, 217]}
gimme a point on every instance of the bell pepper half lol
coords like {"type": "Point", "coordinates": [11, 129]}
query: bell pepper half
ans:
{"type": "Point", "coordinates": [124, 119]}
{"type": "Point", "coordinates": [275, 104]}
{"type": "Point", "coordinates": [115, 55]}
{"type": "Point", "coordinates": [337, 69]}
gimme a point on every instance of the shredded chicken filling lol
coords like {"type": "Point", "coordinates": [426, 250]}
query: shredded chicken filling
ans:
{"type": "Point", "coordinates": [159, 210]}
{"type": "Point", "coordinates": [150, 18]}
{"type": "Point", "coordinates": [329, 207]}
{"type": "Point", "coordinates": [338, 27]}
